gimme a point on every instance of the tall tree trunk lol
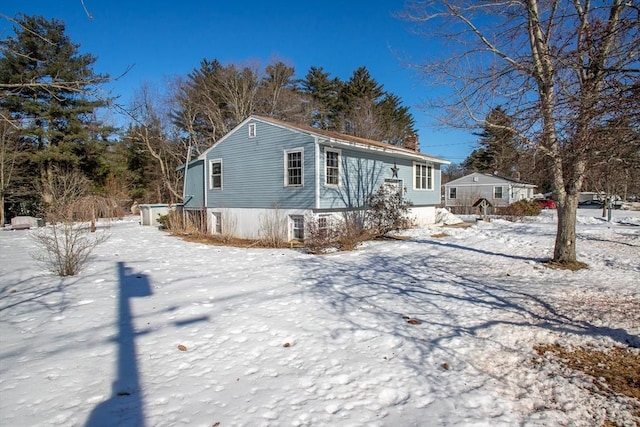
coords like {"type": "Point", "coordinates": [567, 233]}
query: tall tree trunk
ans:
{"type": "Point", "coordinates": [2, 219]}
{"type": "Point", "coordinates": [565, 247]}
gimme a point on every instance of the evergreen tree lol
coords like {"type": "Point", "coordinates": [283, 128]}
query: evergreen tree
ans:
{"type": "Point", "coordinates": [498, 151]}
{"type": "Point", "coordinates": [49, 90]}
{"type": "Point", "coordinates": [323, 91]}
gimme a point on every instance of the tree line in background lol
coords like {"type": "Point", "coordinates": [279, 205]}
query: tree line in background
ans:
{"type": "Point", "coordinates": [51, 102]}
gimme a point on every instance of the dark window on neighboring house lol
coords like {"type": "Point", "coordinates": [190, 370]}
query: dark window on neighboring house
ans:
{"type": "Point", "coordinates": [452, 192]}
{"type": "Point", "coordinates": [497, 192]}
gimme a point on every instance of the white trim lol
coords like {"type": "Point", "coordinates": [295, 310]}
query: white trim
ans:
{"type": "Point", "coordinates": [501, 192]}
{"type": "Point", "coordinates": [339, 153]}
{"type": "Point", "coordinates": [455, 191]}
{"type": "Point", "coordinates": [286, 166]}
{"type": "Point", "coordinates": [205, 179]}
{"type": "Point", "coordinates": [292, 228]}
{"type": "Point", "coordinates": [316, 147]}
{"type": "Point", "coordinates": [211, 162]}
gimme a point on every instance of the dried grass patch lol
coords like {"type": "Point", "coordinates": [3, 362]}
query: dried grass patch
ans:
{"type": "Point", "coordinates": [439, 235]}
{"type": "Point", "coordinates": [616, 371]}
{"type": "Point", "coordinates": [571, 265]}
{"type": "Point", "coordinates": [228, 241]}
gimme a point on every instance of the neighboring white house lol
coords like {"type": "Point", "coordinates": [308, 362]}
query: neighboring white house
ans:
{"type": "Point", "coordinates": [479, 189]}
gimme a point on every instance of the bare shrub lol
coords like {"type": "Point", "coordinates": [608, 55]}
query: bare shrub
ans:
{"type": "Point", "coordinates": [321, 233]}
{"type": "Point", "coordinates": [229, 226]}
{"type": "Point", "coordinates": [72, 211]}
{"type": "Point", "coordinates": [66, 246]}
{"type": "Point", "coordinates": [193, 223]}
{"type": "Point", "coordinates": [273, 228]}
{"type": "Point", "coordinates": [351, 230]}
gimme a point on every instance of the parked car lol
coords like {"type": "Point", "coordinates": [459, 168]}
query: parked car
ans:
{"type": "Point", "coordinates": [546, 204]}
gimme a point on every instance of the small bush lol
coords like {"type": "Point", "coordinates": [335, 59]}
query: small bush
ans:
{"type": "Point", "coordinates": [388, 211]}
{"type": "Point", "coordinates": [273, 228]}
{"type": "Point", "coordinates": [72, 211]}
{"type": "Point", "coordinates": [352, 230]}
{"type": "Point", "coordinates": [321, 233]}
{"type": "Point", "coordinates": [520, 209]}
{"type": "Point", "coordinates": [185, 222]}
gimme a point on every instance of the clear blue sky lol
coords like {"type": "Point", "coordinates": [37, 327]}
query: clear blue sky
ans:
{"type": "Point", "coordinates": [169, 38]}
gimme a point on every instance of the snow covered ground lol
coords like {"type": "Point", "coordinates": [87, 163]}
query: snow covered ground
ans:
{"type": "Point", "coordinates": [272, 337]}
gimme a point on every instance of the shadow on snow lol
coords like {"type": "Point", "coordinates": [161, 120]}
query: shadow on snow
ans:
{"type": "Point", "coordinates": [125, 406]}
{"type": "Point", "coordinates": [452, 298]}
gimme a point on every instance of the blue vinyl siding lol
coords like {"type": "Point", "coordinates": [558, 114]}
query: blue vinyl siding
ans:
{"type": "Point", "coordinates": [194, 191]}
{"type": "Point", "coordinates": [362, 173]}
{"type": "Point", "coordinates": [253, 171]}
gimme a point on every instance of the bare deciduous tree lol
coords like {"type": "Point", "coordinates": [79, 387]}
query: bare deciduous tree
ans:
{"type": "Point", "coordinates": [159, 137]}
{"type": "Point", "coordinates": [560, 67]}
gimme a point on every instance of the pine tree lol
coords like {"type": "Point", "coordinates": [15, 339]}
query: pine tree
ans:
{"type": "Point", "coordinates": [50, 91]}
{"type": "Point", "coordinates": [498, 151]}
{"type": "Point", "coordinates": [323, 91]}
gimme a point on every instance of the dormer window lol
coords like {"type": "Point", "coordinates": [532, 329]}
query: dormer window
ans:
{"type": "Point", "coordinates": [252, 130]}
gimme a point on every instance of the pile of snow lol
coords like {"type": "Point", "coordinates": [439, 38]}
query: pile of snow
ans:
{"type": "Point", "coordinates": [443, 216]}
{"type": "Point", "coordinates": [157, 331]}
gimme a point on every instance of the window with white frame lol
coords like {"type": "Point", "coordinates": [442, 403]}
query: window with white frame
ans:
{"type": "Point", "coordinates": [293, 168]}
{"type": "Point", "coordinates": [323, 226]}
{"type": "Point", "coordinates": [332, 167]}
{"type": "Point", "coordinates": [423, 176]}
{"type": "Point", "coordinates": [452, 192]}
{"type": "Point", "coordinates": [215, 177]}
{"type": "Point", "coordinates": [497, 192]}
{"type": "Point", "coordinates": [217, 222]}
{"type": "Point", "coordinates": [252, 130]}
{"type": "Point", "coordinates": [297, 227]}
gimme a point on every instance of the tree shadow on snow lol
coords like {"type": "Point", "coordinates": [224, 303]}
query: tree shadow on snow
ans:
{"type": "Point", "coordinates": [30, 293]}
{"type": "Point", "coordinates": [379, 292]}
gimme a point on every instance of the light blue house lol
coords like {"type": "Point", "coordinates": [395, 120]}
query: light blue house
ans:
{"type": "Point", "coordinates": [267, 171]}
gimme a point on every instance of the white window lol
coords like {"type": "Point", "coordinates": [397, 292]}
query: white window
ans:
{"type": "Point", "coordinates": [452, 192]}
{"type": "Point", "coordinates": [423, 176]}
{"type": "Point", "coordinates": [215, 176]}
{"type": "Point", "coordinates": [297, 227]}
{"type": "Point", "coordinates": [332, 167]}
{"type": "Point", "coordinates": [217, 223]}
{"type": "Point", "coordinates": [293, 168]}
{"type": "Point", "coordinates": [497, 192]}
{"type": "Point", "coordinates": [252, 130]}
